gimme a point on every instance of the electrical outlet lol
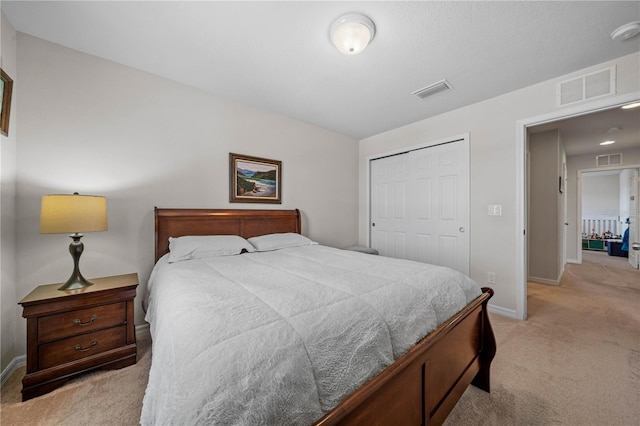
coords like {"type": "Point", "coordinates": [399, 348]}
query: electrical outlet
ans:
{"type": "Point", "coordinates": [491, 277]}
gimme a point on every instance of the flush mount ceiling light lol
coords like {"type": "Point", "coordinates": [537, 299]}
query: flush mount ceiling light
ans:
{"type": "Point", "coordinates": [351, 33]}
{"type": "Point", "coordinates": [626, 31]}
{"type": "Point", "coordinates": [607, 142]}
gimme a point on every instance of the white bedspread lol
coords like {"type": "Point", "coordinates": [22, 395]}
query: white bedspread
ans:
{"type": "Point", "coordinates": [280, 338]}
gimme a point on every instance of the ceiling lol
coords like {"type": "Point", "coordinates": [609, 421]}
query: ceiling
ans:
{"type": "Point", "coordinates": [582, 135]}
{"type": "Point", "coordinates": [277, 55]}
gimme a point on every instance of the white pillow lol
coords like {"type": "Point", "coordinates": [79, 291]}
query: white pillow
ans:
{"type": "Point", "coordinates": [202, 246]}
{"type": "Point", "coordinates": [278, 241]}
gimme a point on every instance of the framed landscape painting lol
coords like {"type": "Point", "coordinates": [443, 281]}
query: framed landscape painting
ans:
{"type": "Point", "coordinates": [254, 179]}
{"type": "Point", "coordinates": [6, 87]}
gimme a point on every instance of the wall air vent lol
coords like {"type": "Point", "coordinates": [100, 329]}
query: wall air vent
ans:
{"type": "Point", "coordinates": [433, 89]}
{"type": "Point", "coordinates": [608, 160]}
{"type": "Point", "coordinates": [586, 87]}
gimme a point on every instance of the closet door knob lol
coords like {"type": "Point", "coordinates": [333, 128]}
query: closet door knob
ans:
{"type": "Point", "coordinates": [461, 229]}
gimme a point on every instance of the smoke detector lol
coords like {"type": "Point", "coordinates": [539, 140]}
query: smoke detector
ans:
{"type": "Point", "coordinates": [626, 31]}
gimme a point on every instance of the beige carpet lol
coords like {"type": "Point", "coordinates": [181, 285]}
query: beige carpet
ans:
{"type": "Point", "coordinates": [575, 361]}
{"type": "Point", "coordinates": [98, 398]}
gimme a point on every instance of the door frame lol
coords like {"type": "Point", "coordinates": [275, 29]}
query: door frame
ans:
{"type": "Point", "coordinates": [464, 138]}
{"type": "Point", "coordinates": [521, 182]}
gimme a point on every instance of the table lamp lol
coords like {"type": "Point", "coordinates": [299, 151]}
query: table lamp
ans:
{"type": "Point", "coordinates": [73, 214]}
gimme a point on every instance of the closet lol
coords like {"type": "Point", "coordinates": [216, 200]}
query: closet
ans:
{"type": "Point", "coordinates": [419, 204]}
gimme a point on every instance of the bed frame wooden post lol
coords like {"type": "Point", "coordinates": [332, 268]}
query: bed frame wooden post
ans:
{"type": "Point", "coordinates": [482, 379]}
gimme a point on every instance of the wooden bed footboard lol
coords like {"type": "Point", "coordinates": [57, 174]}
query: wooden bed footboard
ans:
{"type": "Point", "coordinates": [423, 386]}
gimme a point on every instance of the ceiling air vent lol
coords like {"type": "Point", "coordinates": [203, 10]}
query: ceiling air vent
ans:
{"type": "Point", "coordinates": [586, 87]}
{"type": "Point", "coordinates": [608, 160]}
{"type": "Point", "coordinates": [433, 89]}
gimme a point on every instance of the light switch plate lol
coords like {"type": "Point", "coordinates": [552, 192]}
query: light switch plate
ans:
{"type": "Point", "coordinates": [495, 210]}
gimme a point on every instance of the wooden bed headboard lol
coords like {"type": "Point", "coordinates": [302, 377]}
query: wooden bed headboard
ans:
{"type": "Point", "coordinates": [246, 223]}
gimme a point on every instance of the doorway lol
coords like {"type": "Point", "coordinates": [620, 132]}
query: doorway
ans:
{"type": "Point", "coordinates": [522, 183]}
{"type": "Point", "coordinates": [622, 182]}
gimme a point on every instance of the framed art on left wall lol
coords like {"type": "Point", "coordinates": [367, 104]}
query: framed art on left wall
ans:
{"type": "Point", "coordinates": [6, 87]}
{"type": "Point", "coordinates": [254, 179]}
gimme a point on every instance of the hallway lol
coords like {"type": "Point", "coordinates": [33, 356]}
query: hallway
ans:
{"type": "Point", "coordinates": [599, 268]}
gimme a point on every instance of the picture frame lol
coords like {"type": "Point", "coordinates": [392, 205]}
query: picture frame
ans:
{"type": "Point", "coordinates": [6, 88]}
{"type": "Point", "coordinates": [254, 179]}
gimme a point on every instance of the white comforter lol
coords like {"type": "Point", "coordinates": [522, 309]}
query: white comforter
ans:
{"type": "Point", "coordinates": [280, 338]}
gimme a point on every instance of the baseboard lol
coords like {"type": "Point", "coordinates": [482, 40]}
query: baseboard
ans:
{"type": "Point", "coordinates": [142, 330]}
{"type": "Point", "coordinates": [16, 362]}
{"type": "Point", "coordinates": [510, 313]}
{"type": "Point", "coordinates": [543, 281]}
{"type": "Point", "coordinates": [573, 261]}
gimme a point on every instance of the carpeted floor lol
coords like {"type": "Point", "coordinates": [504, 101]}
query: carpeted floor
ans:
{"type": "Point", "coordinates": [575, 361]}
{"type": "Point", "coordinates": [99, 398]}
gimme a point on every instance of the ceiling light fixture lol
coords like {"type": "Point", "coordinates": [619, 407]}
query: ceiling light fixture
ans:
{"type": "Point", "coordinates": [633, 105]}
{"type": "Point", "coordinates": [351, 33]}
{"type": "Point", "coordinates": [626, 31]}
{"type": "Point", "coordinates": [607, 142]}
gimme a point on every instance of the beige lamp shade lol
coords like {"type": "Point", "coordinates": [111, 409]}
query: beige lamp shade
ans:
{"type": "Point", "coordinates": [67, 214]}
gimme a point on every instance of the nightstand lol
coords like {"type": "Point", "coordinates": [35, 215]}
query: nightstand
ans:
{"type": "Point", "coordinates": [72, 332]}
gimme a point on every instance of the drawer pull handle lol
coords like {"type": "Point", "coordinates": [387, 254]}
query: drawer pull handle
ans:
{"type": "Point", "coordinates": [81, 349]}
{"type": "Point", "coordinates": [82, 324]}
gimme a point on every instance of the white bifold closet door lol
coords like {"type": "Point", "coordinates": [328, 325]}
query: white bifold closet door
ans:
{"type": "Point", "coordinates": [419, 205]}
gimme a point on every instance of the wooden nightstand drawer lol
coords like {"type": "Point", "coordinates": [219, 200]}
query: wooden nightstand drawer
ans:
{"type": "Point", "coordinates": [81, 321]}
{"type": "Point", "coordinates": [77, 347]}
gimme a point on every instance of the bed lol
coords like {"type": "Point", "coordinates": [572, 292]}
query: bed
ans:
{"type": "Point", "coordinates": [418, 383]}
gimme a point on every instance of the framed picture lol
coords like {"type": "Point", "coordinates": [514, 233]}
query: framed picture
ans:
{"type": "Point", "coordinates": [6, 87]}
{"type": "Point", "coordinates": [254, 180]}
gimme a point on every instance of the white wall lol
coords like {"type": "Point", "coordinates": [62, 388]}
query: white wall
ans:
{"type": "Point", "coordinates": [492, 125]}
{"type": "Point", "coordinates": [600, 196]}
{"type": "Point", "coordinates": [93, 126]}
{"type": "Point", "coordinates": [8, 300]}
{"type": "Point", "coordinates": [546, 208]}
